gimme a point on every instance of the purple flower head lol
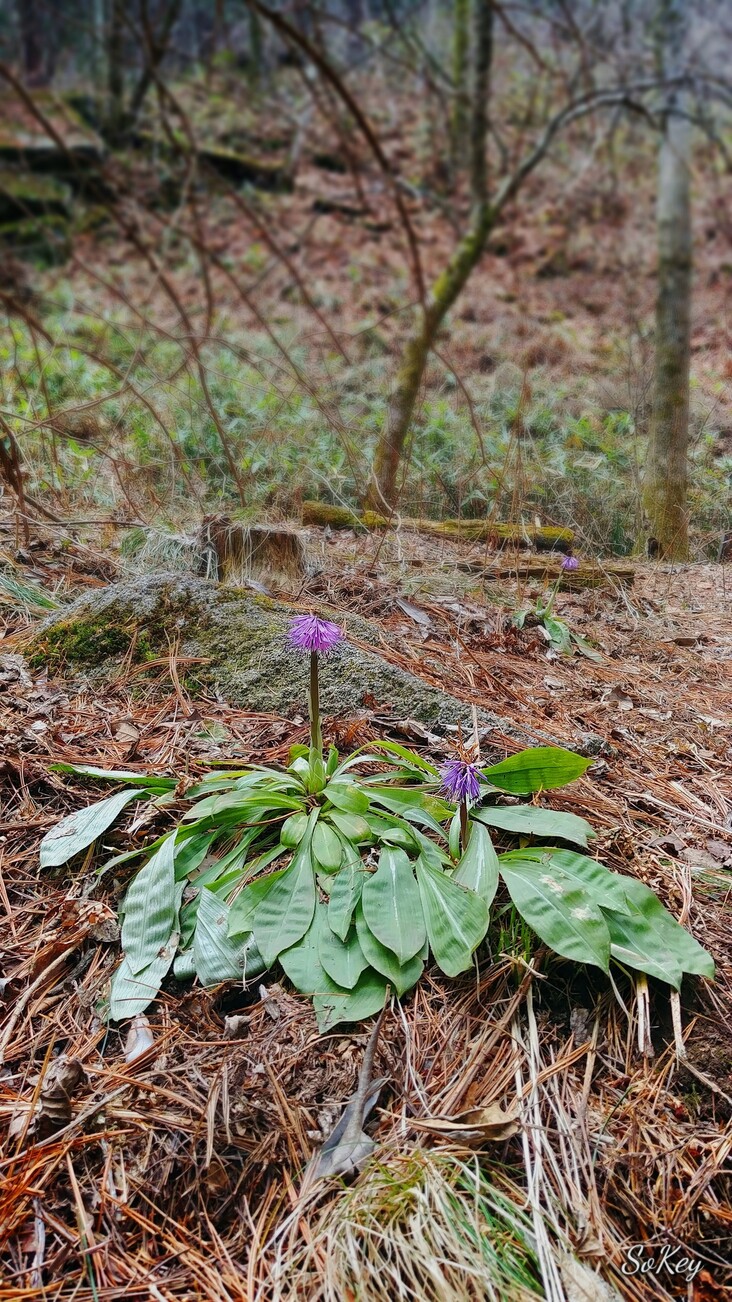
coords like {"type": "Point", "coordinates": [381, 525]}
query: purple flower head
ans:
{"type": "Point", "coordinates": [308, 633]}
{"type": "Point", "coordinates": [570, 563]}
{"type": "Point", "coordinates": [460, 780]}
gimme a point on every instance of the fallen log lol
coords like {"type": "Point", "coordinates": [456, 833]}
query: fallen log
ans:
{"type": "Point", "coordinates": [541, 537]}
{"type": "Point", "coordinates": [585, 576]}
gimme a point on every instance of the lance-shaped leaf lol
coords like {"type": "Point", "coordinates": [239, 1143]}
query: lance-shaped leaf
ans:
{"type": "Point", "coordinates": [151, 907]}
{"type": "Point", "coordinates": [478, 867]}
{"type": "Point", "coordinates": [561, 913]}
{"type": "Point", "coordinates": [401, 976]}
{"type": "Point", "coordinates": [456, 918]}
{"type": "Point", "coordinates": [538, 769]}
{"type": "Point", "coordinates": [132, 992]}
{"type": "Point", "coordinates": [392, 906]}
{"type": "Point", "coordinates": [286, 911]}
{"type": "Point", "coordinates": [216, 956]}
{"type": "Point", "coordinates": [527, 820]}
{"type": "Point", "coordinates": [77, 831]}
{"type": "Point", "coordinates": [242, 911]}
{"type": "Point", "coordinates": [347, 797]}
{"type": "Point", "coordinates": [345, 891]}
{"type": "Point", "coordinates": [651, 931]}
{"type": "Point", "coordinates": [148, 781]}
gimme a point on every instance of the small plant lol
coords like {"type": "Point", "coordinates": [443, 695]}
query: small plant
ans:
{"type": "Point", "coordinates": [561, 637]}
{"type": "Point", "coordinates": [350, 873]}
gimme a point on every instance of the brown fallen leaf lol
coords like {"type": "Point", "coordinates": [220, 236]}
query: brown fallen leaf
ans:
{"type": "Point", "coordinates": [473, 1128]}
{"type": "Point", "coordinates": [62, 1079]}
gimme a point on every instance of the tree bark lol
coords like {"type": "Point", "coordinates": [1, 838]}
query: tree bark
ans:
{"type": "Point", "coordinates": [460, 53]}
{"type": "Point", "coordinates": [666, 471]}
{"type": "Point", "coordinates": [382, 491]}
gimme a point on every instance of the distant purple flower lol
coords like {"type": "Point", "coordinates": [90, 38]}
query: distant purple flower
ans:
{"type": "Point", "coordinates": [308, 633]}
{"type": "Point", "coordinates": [460, 780]}
{"type": "Point", "coordinates": [570, 563]}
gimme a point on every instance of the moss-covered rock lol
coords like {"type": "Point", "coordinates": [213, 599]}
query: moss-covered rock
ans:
{"type": "Point", "coordinates": [244, 637]}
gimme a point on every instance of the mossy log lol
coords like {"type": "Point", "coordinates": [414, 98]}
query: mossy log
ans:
{"type": "Point", "coordinates": [238, 168]}
{"type": "Point", "coordinates": [586, 576]}
{"type": "Point", "coordinates": [541, 537]}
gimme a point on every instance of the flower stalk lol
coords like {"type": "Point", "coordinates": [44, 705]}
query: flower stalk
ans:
{"type": "Point", "coordinates": [318, 637]}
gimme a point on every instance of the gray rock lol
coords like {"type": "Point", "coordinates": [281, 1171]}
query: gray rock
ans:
{"type": "Point", "coordinates": [250, 663]}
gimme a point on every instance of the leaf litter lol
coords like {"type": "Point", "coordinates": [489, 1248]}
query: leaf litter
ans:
{"type": "Point", "coordinates": [166, 1157]}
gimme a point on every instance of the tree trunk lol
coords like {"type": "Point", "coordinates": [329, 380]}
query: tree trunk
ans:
{"type": "Point", "coordinates": [666, 471]}
{"type": "Point", "coordinates": [460, 106]}
{"type": "Point", "coordinates": [30, 27]}
{"type": "Point", "coordinates": [382, 491]}
{"type": "Point", "coordinates": [115, 69]}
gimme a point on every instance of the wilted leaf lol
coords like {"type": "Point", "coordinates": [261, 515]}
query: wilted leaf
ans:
{"type": "Point", "coordinates": [474, 1127]}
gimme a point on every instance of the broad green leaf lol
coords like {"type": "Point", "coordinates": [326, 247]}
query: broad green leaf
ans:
{"type": "Point", "coordinates": [456, 918]}
{"type": "Point", "coordinates": [561, 913]}
{"type": "Point", "coordinates": [528, 820]}
{"type": "Point", "coordinates": [601, 885]}
{"type": "Point", "coordinates": [478, 868]}
{"type": "Point", "coordinates": [538, 769]}
{"type": "Point", "coordinates": [150, 782]}
{"type": "Point", "coordinates": [367, 997]}
{"type": "Point", "coordinates": [402, 976]}
{"type": "Point", "coordinates": [634, 944]}
{"type": "Point", "coordinates": [286, 911]}
{"type": "Point", "coordinates": [327, 848]}
{"type": "Point", "coordinates": [559, 634]}
{"type": "Point", "coordinates": [294, 829]}
{"type": "Point", "coordinates": [332, 763]}
{"type": "Point", "coordinates": [132, 992]}
{"type": "Point", "coordinates": [151, 907]}
{"type": "Point", "coordinates": [343, 961]}
{"type": "Point", "coordinates": [410, 757]}
{"type": "Point", "coordinates": [353, 826]}
{"type": "Point", "coordinates": [347, 797]}
{"type": "Point", "coordinates": [657, 934]}
{"type": "Point", "coordinates": [216, 956]}
{"type": "Point", "coordinates": [78, 830]}
{"type": "Point", "coordinates": [345, 892]}
{"type": "Point", "coordinates": [241, 913]}
{"type": "Point", "coordinates": [302, 963]}
{"type": "Point", "coordinates": [392, 907]}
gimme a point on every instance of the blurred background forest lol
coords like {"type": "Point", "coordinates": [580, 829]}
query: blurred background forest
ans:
{"type": "Point", "coordinates": [448, 259]}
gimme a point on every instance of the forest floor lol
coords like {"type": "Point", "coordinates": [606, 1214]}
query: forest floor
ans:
{"type": "Point", "coordinates": [165, 1159]}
